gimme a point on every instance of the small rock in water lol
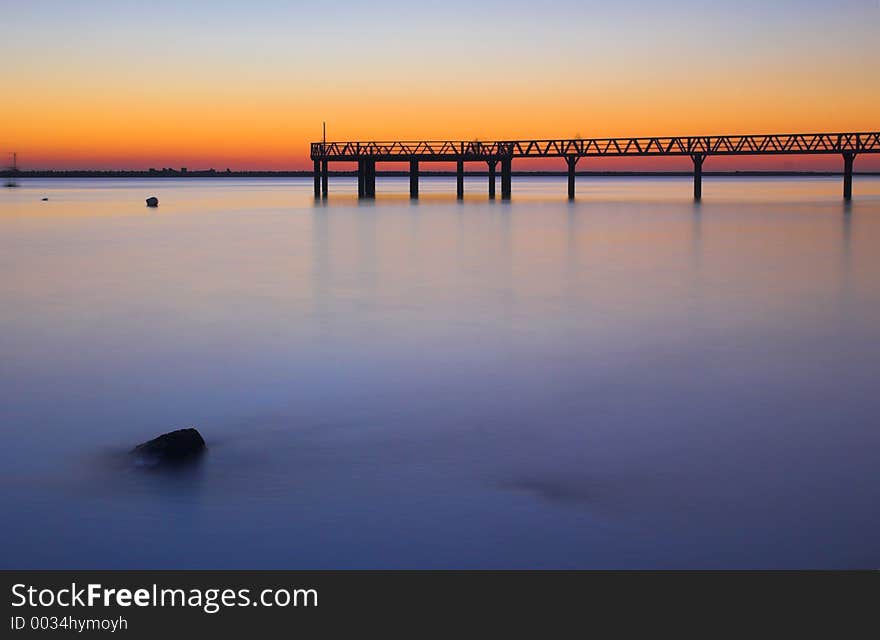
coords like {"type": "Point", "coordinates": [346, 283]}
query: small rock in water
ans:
{"type": "Point", "coordinates": [152, 201]}
{"type": "Point", "coordinates": [45, 199]}
{"type": "Point", "coordinates": [169, 448]}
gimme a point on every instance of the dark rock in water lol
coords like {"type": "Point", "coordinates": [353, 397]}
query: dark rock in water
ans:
{"type": "Point", "coordinates": [152, 201]}
{"type": "Point", "coordinates": [170, 448]}
{"type": "Point", "coordinates": [45, 199]}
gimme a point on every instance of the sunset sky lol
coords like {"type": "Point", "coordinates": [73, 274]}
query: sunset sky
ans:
{"type": "Point", "coordinates": [131, 84]}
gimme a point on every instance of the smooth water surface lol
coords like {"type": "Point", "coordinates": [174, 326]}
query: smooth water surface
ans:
{"type": "Point", "coordinates": [629, 380]}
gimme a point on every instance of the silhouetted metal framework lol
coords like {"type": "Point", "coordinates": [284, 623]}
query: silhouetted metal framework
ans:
{"type": "Point", "coordinates": [698, 148]}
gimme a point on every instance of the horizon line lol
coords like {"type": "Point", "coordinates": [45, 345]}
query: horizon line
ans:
{"type": "Point", "coordinates": [227, 173]}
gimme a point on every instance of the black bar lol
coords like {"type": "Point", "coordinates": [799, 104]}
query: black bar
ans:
{"type": "Point", "coordinates": [459, 180]}
{"type": "Point", "coordinates": [324, 604]}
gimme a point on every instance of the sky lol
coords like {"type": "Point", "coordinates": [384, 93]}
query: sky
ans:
{"type": "Point", "coordinates": [246, 85]}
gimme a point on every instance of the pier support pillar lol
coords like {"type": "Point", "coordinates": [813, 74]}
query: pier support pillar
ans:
{"type": "Point", "coordinates": [698, 174]}
{"type": "Point", "coordinates": [370, 182]}
{"type": "Point", "coordinates": [848, 158]}
{"type": "Point", "coordinates": [492, 164]}
{"type": "Point", "coordinates": [324, 177]}
{"type": "Point", "coordinates": [414, 179]}
{"type": "Point", "coordinates": [572, 162]}
{"type": "Point", "coordinates": [362, 173]}
{"type": "Point", "coordinates": [459, 180]}
{"type": "Point", "coordinates": [317, 173]}
{"type": "Point", "coordinates": [505, 177]}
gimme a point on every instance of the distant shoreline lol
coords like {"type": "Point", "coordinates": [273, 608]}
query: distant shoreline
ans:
{"type": "Point", "coordinates": [403, 174]}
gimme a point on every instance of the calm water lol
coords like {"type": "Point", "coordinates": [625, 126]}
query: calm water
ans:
{"type": "Point", "coordinates": [627, 381]}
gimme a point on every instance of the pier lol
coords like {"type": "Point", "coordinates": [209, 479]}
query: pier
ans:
{"type": "Point", "coordinates": [502, 153]}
